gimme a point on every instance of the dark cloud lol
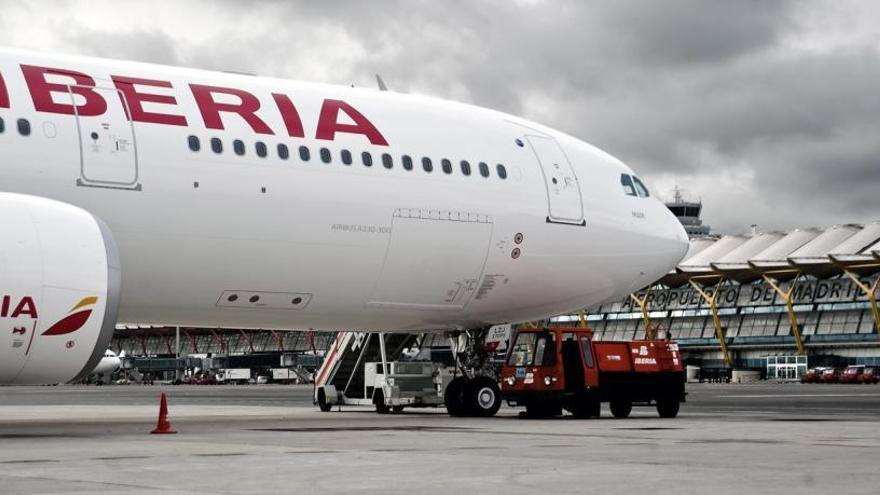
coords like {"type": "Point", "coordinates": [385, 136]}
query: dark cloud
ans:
{"type": "Point", "coordinates": [765, 109]}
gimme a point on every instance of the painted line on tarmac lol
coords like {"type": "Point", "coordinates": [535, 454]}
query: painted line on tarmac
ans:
{"type": "Point", "coordinates": [784, 396]}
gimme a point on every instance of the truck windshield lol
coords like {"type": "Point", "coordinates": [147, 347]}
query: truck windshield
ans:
{"type": "Point", "coordinates": [533, 349]}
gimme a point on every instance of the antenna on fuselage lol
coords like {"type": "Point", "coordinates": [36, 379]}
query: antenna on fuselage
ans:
{"type": "Point", "coordinates": [381, 83]}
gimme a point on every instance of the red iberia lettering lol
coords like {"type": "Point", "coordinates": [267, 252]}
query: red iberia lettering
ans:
{"type": "Point", "coordinates": [329, 125]}
{"type": "Point", "coordinates": [81, 85]}
{"type": "Point", "coordinates": [290, 115]}
{"type": "Point", "coordinates": [210, 108]}
{"type": "Point", "coordinates": [133, 100]}
{"type": "Point", "coordinates": [25, 307]}
{"type": "Point", "coordinates": [4, 95]}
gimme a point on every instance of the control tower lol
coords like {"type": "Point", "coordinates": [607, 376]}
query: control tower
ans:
{"type": "Point", "coordinates": [688, 213]}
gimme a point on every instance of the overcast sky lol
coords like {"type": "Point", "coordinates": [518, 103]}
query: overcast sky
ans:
{"type": "Point", "coordinates": [767, 110]}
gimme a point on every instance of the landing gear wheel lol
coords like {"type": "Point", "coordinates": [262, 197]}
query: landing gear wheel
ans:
{"type": "Point", "coordinates": [482, 397]}
{"type": "Point", "coordinates": [621, 407]}
{"type": "Point", "coordinates": [379, 401]}
{"type": "Point", "coordinates": [454, 397]}
{"type": "Point", "coordinates": [397, 409]}
{"type": "Point", "coordinates": [322, 401]}
{"type": "Point", "coordinates": [667, 406]}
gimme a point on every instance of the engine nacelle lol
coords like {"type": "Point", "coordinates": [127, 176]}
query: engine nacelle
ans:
{"type": "Point", "coordinates": [60, 283]}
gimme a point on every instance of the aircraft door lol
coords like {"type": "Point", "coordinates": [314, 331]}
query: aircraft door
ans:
{"type": "Point", "coordinates": [563, 190]}
{"type": "Point", "coordinates": [108, 151]}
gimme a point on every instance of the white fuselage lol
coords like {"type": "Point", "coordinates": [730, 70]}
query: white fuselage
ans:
{"type": "Point", "coordinates": [108, 364]}
{"type": "Point", "coordinates": [222, 239]}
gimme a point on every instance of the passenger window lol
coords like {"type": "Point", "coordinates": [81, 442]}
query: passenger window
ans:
{"type": "Point", "coordinates": [24, 127]}
{"type": "Point", "coordinates": [640, 187]}
{"type": "Point", "coordinates": [216, 145]}
{"type": "Point", "coordinates": [304, 153]}
{"type": "Point", "coordinates": [346, 157]}
{"type": "Point", "coordinates": [193, 141]}
{"type": "Point", "coordinates": [261, 149]}
{"type": "Point", "coordinates": [407, 162]}
{"type": "Point", "coordinates": [588, 353]}
{"type": "Point", "coordinates": [2, 125]}
{"type": "Point", "coordinates": [325, 155]}
{"type": "Point", "coordinates": [447, 166]}
{"type": "Point", "coordinates": [484, 169]}
{"type": "Point", "coordinates": [386, 160]}
{"type": "Point", "coordinates": [427, 165]}
{"type": "Point", "coordinates": [627, 184]}
{"type": "Point", "coordinates": [238, 147]}
{"type": "Point", "coordinates": [367, 159]}
{"type": "Point", "coordinates": [502, 172]}
{"type": "Point", "coordinates": [283, 152]}
{"type": "Point", "coordinates": [465, 167]}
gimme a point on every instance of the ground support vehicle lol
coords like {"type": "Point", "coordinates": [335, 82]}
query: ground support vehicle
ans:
{"type": "Point", "coordinates": [813, 375]}
{"type": "Point", "coordinates": [392, 387]}
{"type": "Point", "coordinates": [552, 369]}
{"type": "Point", "coordinates": [234, 375]}
{"type": "Point", "coordinates": [871, 375]}
{"type": "Point", "coordinates": [852, 374]}
{"type": "Point", "coordinates": [830, 375]}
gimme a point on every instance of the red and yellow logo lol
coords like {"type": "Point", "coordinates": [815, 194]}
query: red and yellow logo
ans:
{"type": "Point", "coordinates": [75, 319]}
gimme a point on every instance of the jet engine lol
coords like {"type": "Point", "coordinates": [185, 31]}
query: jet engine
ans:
{"type": "Point", "coordinates": [59, 290]}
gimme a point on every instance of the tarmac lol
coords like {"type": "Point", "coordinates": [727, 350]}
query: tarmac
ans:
{"type": "Point", "coordinates": [754, 438]}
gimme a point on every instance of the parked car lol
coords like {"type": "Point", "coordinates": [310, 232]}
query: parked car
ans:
{"type": "Point", "coordinates": [870, 375]}
{"type": "Point", "coordinates": [830, 375]}
{"type": "Point", "coordinates": [852, 374]}
{"type": "Point", "coordinates": [813, 375]}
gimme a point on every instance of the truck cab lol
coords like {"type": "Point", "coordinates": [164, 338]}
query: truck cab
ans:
{"type": "Point", "coordinates": [551, 369]}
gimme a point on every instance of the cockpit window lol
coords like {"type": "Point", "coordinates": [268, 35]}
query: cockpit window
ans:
{"type": "Point", "coordinates": [627, 184]}
{"type": "Point", "coordinates": [640, 187]}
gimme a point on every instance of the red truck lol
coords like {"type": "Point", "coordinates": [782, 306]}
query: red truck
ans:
{"type": "Point", "coordinates": [551, 369]}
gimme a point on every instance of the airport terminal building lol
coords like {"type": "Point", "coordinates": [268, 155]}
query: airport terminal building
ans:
{"type": "Point", "coordinates": [777, 302]}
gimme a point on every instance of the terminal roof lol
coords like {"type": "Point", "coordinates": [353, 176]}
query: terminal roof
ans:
{"type": "Point", "coordinates": [822, 253]}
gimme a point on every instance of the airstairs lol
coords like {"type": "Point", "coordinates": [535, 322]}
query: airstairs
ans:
{"type": "Point", "coordinates": [343, 367]}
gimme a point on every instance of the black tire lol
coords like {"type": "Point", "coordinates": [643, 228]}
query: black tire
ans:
{"type": "Point", "coordinates": [322, 401]}
{"type": "Point", "coordinates": [621, 407]}
{"type": "Point", "coordinates": [668, 406]}
{"type": "Point", "coordinates": [482, 397]}
{"type": "Point", "coordinates": [379, 401]}
{"type": "Point", "coordinates": [397, 409]}
{"type": "Point", "coordinates": [453, 397]}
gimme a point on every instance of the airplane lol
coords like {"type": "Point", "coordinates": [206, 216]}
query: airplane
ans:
{"type": "Point", "coordinates": [109, 363]}
{"type": "Point", "coordinates": [141, 193]}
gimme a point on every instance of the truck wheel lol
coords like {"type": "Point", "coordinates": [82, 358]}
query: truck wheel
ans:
{"type": "Point", "coordinates": [621, 407]}
{"type": "Point", "coordinates": [397, 409]}
{"type": "Point", "coordinates": [667, 406]}
{"type": "Point", "coordinates": [379, 400]}
{"type": "Point", "coordinates": [482, 397]}
{"type": "Point", "coordinates": [454, 397]}
{"type": "Point", "coordinates": [322, 401]}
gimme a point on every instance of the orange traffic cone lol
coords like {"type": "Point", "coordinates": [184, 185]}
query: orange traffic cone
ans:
{"type": "Point", "coordinates": [164, 426]}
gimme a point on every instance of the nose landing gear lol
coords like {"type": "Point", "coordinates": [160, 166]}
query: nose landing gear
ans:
{"type": "Point", "coordinates": [476, 392]}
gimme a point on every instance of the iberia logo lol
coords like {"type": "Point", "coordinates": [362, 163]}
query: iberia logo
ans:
{"type": "Point", "coordinates": [75, 319]}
